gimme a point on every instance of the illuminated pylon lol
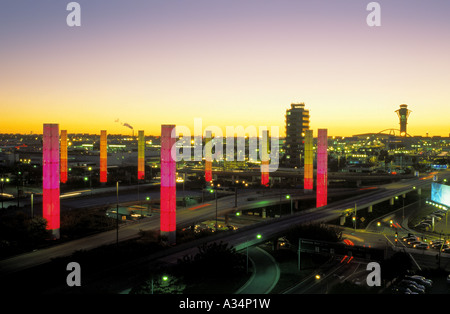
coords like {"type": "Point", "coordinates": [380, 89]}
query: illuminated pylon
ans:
{"type": "Point", "coordinates": [208, 156]}
{"type": "Point", "coordinates": [63, 156]}
{"type": "Point", "coordinates": [103, 157]}
{"type": "Point", "coordinates": [264, 155]}
{"type": "Point", "coordinates": [309, 166]}
{"type": "Point", "coordinates": [50, 178]}
{"type": "Point", "coordinates": [141, 155]}
{"type": "Point", "coordinates": [168, 185]}
{"type": "Point", "coordinates": [322, 168]}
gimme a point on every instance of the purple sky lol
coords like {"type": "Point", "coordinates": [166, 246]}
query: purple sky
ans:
{"type": "Point", "coordinates": [233, 62]}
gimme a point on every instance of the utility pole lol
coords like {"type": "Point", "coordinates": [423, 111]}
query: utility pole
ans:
{"type": "Point", "coordinates": [117, 214]}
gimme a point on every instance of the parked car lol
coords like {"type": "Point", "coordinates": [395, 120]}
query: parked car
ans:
{"type": "Point", "coordinates": [413, 286]}
{"type": "Point", "coordinates": [427, 283]}
{"type": "Point", "coordinates": [436, 243]}
{"type": "Point", "coordinates": [402, 290]}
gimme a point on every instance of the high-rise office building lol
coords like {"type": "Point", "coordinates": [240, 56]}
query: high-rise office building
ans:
{"type": "Point", "coordinates": [297, 122]}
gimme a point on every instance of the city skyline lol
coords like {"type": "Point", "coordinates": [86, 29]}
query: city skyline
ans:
{"type": "Point", "coordinates": [148, 63]}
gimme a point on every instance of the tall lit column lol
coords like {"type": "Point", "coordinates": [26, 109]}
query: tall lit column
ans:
{"type": "Point", "coordinates": [309, 169]}
{"type": "Point", "coordinates": [264, 148]}
{"type": "Point", "coordinates": [50, 178]}
{"type": "Point", "coordinates": [141, 155]}
{"type": "Point", "coordinates": [208, 156]}
{"type": "Point", "coordinates": [322, 168]}
{"type": "Point", "coordinates": [168, 185]}
{"type": "Point", "coordinates": [103, 157]}
{"type": "Point", "coordinates": [63, 156]}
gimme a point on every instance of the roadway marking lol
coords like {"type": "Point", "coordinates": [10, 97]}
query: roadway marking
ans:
{"type": "Point", "coordinates": [199, 206]}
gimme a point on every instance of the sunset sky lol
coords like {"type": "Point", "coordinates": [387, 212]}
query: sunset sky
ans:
{"type": "Point", "coordinates": [229, 62]}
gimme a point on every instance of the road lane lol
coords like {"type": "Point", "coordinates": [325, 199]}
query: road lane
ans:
{"type": "Point", "coordinates": [270, 228]}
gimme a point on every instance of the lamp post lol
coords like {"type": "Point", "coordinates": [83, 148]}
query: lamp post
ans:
{"type": "Point", "coordinates": [90, 178]}
{"type": "Point", "coordinates": [2, 183]}
{"type": "Point", "coordinates": [258, 236]}
{"type": "Point", "coordinates": [289, 197]}
{"type": "Point", "coordinates": [403, 209]}
{"type": "Point", "coordinates": [32, 204]}
{"type": "Point", "coordinates": [148, 198]}
{"type": "Point", "coordinates": [215, 194]}
{"type": "Point", "coordinates": [117, 213]}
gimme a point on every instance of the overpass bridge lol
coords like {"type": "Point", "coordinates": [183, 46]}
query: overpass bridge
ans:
{"type": "Point", "coordinates": [240, 239]}
{"type": "Point", "coordinates": [298, 174]}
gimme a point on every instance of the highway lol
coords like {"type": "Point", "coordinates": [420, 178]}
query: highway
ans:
{"type": "Point", "coordinates": [240, 239]}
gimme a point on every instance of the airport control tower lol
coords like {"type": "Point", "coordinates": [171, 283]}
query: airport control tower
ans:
{"type": "Point", "coordinates": [403, 114]}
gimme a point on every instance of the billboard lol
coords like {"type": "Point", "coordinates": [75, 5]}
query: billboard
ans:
{"type": "Point", "coordinates": [440, 193]}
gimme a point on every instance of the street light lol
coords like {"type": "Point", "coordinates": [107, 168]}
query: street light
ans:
{"type": "Point", "coordinates": [164, 279]}
{"type": "Point", "coordinates": [2, 182]}
{"type": "Point", "coordinates": [215, 192]}
{"type": "Point", "coordinates": [258, 236]}
{"type": "Point", "coordinates": [148, 206]}
{"type": "Point", "coordinates": [289, 197]}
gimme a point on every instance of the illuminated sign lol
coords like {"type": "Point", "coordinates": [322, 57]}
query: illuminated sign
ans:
{"type": "Point", "coordinates": [440, 193]}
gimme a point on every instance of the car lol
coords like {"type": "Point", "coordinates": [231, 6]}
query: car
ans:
{"type": "Point", "coordinates": [424, 225]}
{"type": "Point", "coordinates": [427, 283]}
{"type": "Point", "coordinates": [412, 285]}
{"type": "Point", "coordinates": [436, 218]}
{"type": "Point", "coordinates": [421, 245]}
{"type": "Point", "coordinates": [412, 243]}
{"type": "Point", "coordinates": [402, 290]}
{"type": "Point", "coordinates": [409, 237]}
{"type": "Point", "coordinates": [437, 244]}
{"type": "Point", "coordinates": [413, 288]}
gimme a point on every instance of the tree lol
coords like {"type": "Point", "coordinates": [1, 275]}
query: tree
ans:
{"type": "Point", "coordinates": [313, 231]}
{"type": "Point", "coordinates": [216, 261]}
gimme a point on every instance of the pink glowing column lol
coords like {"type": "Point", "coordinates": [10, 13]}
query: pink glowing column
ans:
{"type": "Point", "coordinates": [50, 178]}
{"type": "Point", "coordinates": [208, 156]}
{"type": "Point", "coordinates": [309, 170]}
{"type": "Point", "coordinates": [322, 168]}
{"type": "Point", "coordinates": [168, 184]}
{"type": "Point", "coordinates": [265, 158]}
{"type": "Point", "coordinates": [141, 156]}
{"type": "Point", "coordinates": [103, 157]}
{"type": "Point", "coordinates": [63, 156]}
